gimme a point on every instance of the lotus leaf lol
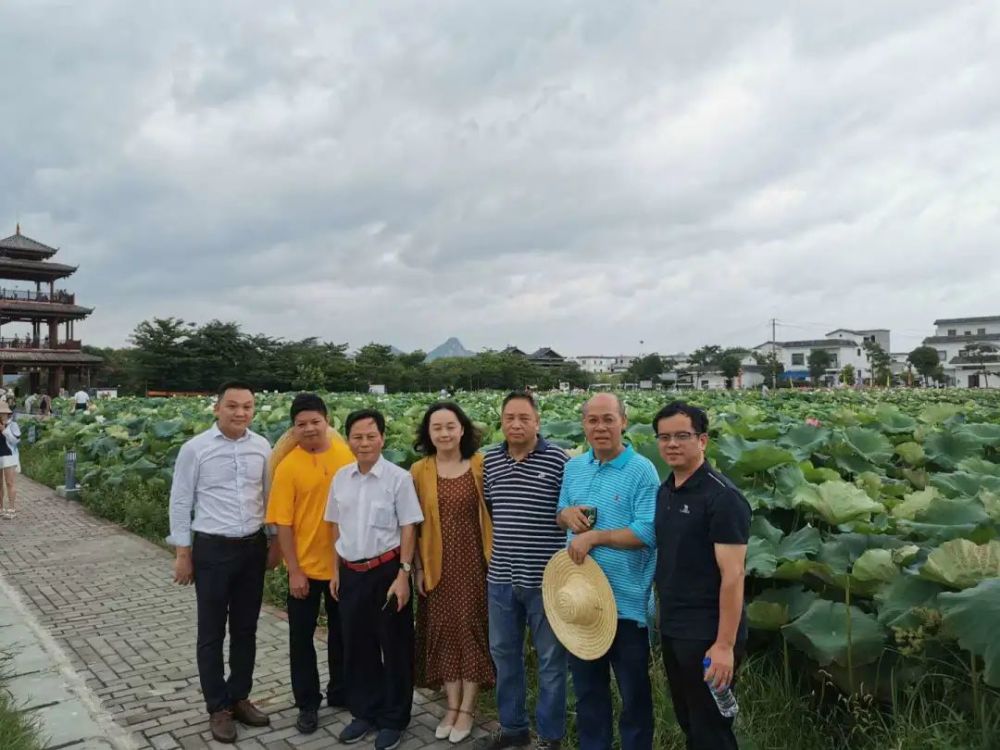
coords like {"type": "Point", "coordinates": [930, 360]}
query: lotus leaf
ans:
{"type": "Point", "coordinates": [911, 453]}
{"type": "Point", "coordinates": [914, 503]}
{"type": "Point", "coordinates": [947, 448]}
{"type": "Point", "coordinates": [902, 596]}
{"type": "Point", "coordinates": [938, 413]}
{"type": "Point", "coordinates": [875, 565]}
{"type": "Point", "coordinates": [893, 421]}
{"type": "Point", "coordinates": [822, 633]}
{"type": "Point", "coordinates": [960, 563]}
{"type": "Point", "coordinates": [873, 446]}
{"type": "Point", "coordinates": [837, 502]}
{"type": "Point", "coordinates": [803, 440]}
{"type": "Point", "coordinates": [761, 458]}
{"type": "Point", "coordinates": [973, 616]}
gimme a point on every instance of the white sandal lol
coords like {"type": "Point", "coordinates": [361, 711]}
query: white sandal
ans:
{"type": "Point", "coordinates": [443, 730]}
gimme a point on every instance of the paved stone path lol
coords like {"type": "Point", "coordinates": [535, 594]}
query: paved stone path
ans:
{"type": "Point", "coordinates": [106, 598]}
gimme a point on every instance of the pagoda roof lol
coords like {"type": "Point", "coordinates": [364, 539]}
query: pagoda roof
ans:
{"type": "Point", "coordinates": [33, 270]}
{"type": "Point", "coordinates": [11, 309]}
{"type": "Point", "coordinates": [22, 246]}
{"type": "Point", "coordinates": [47, 357]}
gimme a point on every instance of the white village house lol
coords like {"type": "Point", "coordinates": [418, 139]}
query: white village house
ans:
{"type": "Point", "coordinates": [969, 350]}
{"type": "Point", "coordinates": [845, 346]}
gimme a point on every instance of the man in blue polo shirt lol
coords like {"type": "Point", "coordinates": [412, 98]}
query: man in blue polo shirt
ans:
{"type": "Point", "coordinates": [621, 485]}
{"type": "Point", "coordinates": [702, 530]}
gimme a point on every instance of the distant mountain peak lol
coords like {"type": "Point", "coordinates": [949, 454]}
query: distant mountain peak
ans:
{"type": "Point", "coordinates": [450, 348]}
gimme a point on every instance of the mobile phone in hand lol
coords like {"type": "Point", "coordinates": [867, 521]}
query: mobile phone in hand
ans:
{"type": "Point", "coordinates": [391, 601]}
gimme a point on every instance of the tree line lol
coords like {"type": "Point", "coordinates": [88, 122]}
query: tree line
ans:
{"type": "Point", "coordinates": [171, 354]}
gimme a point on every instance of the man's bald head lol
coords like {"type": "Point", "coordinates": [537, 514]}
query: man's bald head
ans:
{"type": "Point", "coordinates": [603, 401]}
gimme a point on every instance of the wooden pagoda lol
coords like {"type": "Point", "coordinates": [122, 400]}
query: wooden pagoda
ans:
{"type": "Point", "coordinates": [47, 311]}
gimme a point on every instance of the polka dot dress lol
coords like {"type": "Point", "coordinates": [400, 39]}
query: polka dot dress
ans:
{"type": "Point", "coordinates": [452, 627]}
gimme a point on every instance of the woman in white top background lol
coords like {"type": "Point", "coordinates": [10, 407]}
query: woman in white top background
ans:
{"type": "Point", "coordinates": [10, 436]}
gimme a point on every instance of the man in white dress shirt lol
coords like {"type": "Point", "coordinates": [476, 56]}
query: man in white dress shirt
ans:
{"type": "Point", "coordinates": [374, 510]}
{"type": "Point", "coordinates": [217, 528]}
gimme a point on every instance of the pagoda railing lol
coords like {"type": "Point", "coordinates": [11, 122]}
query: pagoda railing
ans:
{"type": "Point", "coordinates": [28, 343]}
{"type": "Point", "coordinates": [60, 296]}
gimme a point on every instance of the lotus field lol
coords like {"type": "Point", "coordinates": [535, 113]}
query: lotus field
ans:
{"type": "Point", "coordinates": [875, 554]}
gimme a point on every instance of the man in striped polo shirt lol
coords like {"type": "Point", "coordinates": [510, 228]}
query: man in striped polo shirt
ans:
{"type": "Point", "coordinates": [521, 479]}
{"type": "Point", "coordinates": [621, 484]}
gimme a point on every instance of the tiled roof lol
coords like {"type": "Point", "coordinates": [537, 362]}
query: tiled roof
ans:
{"type": "Point", "coordinates": [814, 343]}
{"type": "Point", "coordinates": [961, 339]}
{"type": "Point", "coordinates": [31, 306]}
{"type": "Point", "coordinates": [20, 243]}
{"type": "Point", "coordinates": [48, 357]}
{"type": "Point", "coordinates": [956, 321]}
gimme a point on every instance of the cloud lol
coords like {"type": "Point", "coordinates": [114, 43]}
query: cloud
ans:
{"type": "Point", "coordinates": [578, 175]}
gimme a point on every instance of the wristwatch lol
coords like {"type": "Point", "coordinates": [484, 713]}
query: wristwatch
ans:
{"type": "Point", "coordinates": [407, 567]}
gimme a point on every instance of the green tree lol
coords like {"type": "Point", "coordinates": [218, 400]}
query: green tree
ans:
{"type": "Point", "coordinates": [925, 361]}
{"type": "Point", "coordinates": [771, 365]}
{"type": "Point", "coordinates": [703, 359]}
{"type": "Point", "coordinates": [847, 374]}
{"type": "Point", "coordinates": [730, 365]}
{"type": "Point", "coordinates": [982, 355]}
{"type": "Point", "coordinates": [645, 368]}
{"type": "Point", "coordinates": [820, 361]}
{"type": "Point", "coordinates": [162, 358]}
{"type": "Point", "coordinates": [879, 361]}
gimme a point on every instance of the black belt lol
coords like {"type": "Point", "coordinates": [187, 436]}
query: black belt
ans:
{"type": "Point", "coordinates": [219, 538]}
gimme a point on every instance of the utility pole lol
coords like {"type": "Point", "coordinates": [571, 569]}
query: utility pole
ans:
{"type": "Point", "coordinates": [774, 355]}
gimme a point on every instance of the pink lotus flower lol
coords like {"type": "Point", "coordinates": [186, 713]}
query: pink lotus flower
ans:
{"type": "Point", "coordinates": [813, 422]}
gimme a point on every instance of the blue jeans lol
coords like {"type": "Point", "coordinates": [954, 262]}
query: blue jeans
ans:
{"type": "Point", "coordinates": [511, 608]}
{"type": "Point", "coordinates": [629, 657]}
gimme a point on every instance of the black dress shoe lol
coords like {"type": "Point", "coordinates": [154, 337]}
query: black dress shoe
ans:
{"type": "Point", "coordinates": [308, 721]}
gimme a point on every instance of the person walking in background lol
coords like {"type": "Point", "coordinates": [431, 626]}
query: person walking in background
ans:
{"type": "Point", "coordinates": [522, 478]}
{"type": "Point", "coordinates": [81, 398]}
{"type": "Point", "coordinates": [702, 531]}
{"type": "Point", "coordinates": [45, 406]}
{"type": "Point", "coordinates": [374, 511]}
{"type": "Point", "coordinates": [10, 436]}
{"type": "Point", "coordinates": [621, 485]}
{"type": "Point", "coordinates": [454, 543]}
{"type": "Point", "coordinates": [219, 479]}
{"type": "Point", "coordinates": [297, 505]}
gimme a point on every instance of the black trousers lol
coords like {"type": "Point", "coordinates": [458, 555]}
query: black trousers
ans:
{"type": "Point", "coordinates": [704, 727]}
{"type": "Point", "coordinates": [302, 617]}
{"type": "Point", "coordinates": [378, 648]}
{"type": "Point", "coordinates": [229, 586]}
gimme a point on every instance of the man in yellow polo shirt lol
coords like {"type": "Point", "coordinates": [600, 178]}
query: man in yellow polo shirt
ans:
{"type": "Point", "coordinates": [296, 506]}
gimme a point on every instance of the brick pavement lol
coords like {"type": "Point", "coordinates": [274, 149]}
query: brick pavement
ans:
{"type": "Point", "coordinates": [106, 598]}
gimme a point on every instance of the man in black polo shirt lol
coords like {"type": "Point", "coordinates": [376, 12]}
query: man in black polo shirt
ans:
{"type": "Point", "coordinates": [702, 530]}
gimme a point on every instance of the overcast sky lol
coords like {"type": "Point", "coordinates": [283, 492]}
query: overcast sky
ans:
{"type": "Point", "coordinates": [578, 175]}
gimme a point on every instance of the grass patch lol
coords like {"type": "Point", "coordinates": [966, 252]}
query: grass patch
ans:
{"type": "Point", "coordinates": [18, 731]}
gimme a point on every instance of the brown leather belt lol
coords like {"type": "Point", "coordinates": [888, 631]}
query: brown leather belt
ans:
{"type": "Point", "coordinates": [362, 566]}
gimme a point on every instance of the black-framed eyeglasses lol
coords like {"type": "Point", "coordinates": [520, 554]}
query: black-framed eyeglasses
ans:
{"type": "Point", "coordinates": [678, 437]}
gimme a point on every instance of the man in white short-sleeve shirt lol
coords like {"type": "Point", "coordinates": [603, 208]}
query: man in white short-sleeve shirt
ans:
{"type": "Point", "coordinates": [374, 511]}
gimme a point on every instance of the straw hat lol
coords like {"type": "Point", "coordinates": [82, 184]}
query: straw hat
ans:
{"type": "Point", "coordinates": [5, 407]}
{"type": "Point", "coordinates": [579, 605]}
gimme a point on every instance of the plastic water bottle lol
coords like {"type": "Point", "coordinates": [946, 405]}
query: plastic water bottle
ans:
{"type": "Point", "coordinates": [723, 697]}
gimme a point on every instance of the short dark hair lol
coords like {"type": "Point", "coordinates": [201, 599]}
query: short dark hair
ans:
{"type": "Point", "coordinates": [233, 385]}
{"type": "Point", "coordinates": [524, 395]}
{"type": "Point", "coordinates": [356, 416]}
{"type": "Point", "coordinates": [698, 417]}
{"type": "Point", "coordinates": [307, 402]}
{"type": "Point", "coordinates": [467, 446]}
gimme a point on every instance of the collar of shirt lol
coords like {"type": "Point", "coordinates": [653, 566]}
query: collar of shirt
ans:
{"type": "Point", "coordinates": [693, 481]}
{"type": "Point", "coordinates": [618, 462]}
{"type": "Point", "coordinates": [216, 432]}
{"type": "Point", "coordinates": [375, 470]}
{"type": "Point", "coordinates": [540, 447]}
